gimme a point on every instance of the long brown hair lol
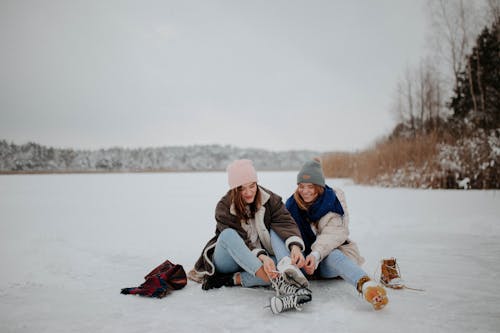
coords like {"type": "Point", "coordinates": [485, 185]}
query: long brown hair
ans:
{"type": "Point", "coordinates": [241, 206]}
{"type": "Point", "coordinates": [301, 203]}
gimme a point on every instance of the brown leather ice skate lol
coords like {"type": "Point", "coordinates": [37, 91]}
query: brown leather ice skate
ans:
{"type": "Point", "coordinates": [390, 275]}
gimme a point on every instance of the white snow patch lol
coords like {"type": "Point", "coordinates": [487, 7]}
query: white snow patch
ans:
{"type": "Point", "coordinates": [69, 243]}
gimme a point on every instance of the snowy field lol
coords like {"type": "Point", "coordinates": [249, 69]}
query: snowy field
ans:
{"type": "Point", "coordinates": [69, 243]}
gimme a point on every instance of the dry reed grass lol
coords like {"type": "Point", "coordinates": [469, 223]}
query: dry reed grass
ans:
{"type": "Point", "coordinates": [383, 158]}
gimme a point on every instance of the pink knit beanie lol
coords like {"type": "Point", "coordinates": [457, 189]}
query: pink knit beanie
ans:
{"type": "Point", "coordinates": [241, 172]}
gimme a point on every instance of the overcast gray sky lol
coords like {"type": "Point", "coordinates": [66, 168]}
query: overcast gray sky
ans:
{"type": "Point", "coordinates": [277, 75]}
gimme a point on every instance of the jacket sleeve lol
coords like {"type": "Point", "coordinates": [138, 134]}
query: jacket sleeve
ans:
{"type": "Point", "coordinates": [333, 229]}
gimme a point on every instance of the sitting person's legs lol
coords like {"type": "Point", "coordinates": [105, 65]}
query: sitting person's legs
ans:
{"type": "Point", "coordinates": [338, 264]}
{"type": "Point", "coordinates": [232, 255]}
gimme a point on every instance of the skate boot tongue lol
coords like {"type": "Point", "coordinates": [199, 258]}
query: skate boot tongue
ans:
{"type": "Point", "coordinates": [291, 273]}
{"type": "Point", "coordinates": [390, 275]}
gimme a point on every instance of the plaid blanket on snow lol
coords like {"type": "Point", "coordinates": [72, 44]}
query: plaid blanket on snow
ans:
{"type": "Point", "coordinates": [160, 281]}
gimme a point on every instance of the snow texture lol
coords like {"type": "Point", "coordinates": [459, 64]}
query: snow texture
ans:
{"type": "Point", "coordinates": [69, 243]}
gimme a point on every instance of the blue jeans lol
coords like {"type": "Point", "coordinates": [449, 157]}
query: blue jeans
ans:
{"type": "Point", "coordinates": [338, 264]}
{"type": "Point", "coordinates": [279, 247]}
{"type": "Point", "coordinates": [233, 255]}
{"type": "Point", "coordinates": [334, 265]}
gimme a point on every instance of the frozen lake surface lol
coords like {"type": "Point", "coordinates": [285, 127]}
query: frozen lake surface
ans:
{"type": "Point", "coordinates": [69, 243]}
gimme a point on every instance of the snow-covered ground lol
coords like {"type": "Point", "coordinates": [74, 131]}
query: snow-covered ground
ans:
{"type": "Point", "coordinates": [69, 243]}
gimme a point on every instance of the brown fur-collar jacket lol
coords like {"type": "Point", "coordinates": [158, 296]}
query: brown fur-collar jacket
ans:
{"type": "Point", "coordinates": [271, 215]}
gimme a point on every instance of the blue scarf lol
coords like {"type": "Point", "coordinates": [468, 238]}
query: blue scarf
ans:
{"type": "Point", "coordinates": [327, 202]}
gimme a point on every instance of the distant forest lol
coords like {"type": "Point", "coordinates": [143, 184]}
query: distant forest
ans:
{"type": "Point", "coordinates": [32, 157]}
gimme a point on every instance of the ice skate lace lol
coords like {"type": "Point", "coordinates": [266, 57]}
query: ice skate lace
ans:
{"type": "Point", "coordinates": [290, 302]}
{"type": "Point", "coordinates": [393, 271]}
{"type": "Point", "coordinates": [284, 288]}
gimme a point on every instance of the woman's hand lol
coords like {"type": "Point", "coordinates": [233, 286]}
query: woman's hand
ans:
{"type": "Point", "coordinates": [269, 266]}
{"type": "Point", "coordinates": [310, 265]}
{"type": "Point", "coordinates": [297, 256]}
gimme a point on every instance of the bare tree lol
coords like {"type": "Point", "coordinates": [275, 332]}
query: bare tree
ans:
{"type": "Point", "coordinates": [493, 10]}
{"type": "Point", "coordinates": [418, 103]}
{"type": "Point", "coordinates": [454, 23]}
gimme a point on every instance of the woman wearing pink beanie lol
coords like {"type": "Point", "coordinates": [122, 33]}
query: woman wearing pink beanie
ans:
{"type": "Point", "coordinates": [254, 232]}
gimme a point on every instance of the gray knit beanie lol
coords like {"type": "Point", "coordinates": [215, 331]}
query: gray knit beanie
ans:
{"type": "Point", "coordinates": [311, 172]}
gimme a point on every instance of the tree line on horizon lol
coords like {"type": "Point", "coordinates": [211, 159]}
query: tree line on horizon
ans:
{"type": "Point", "coordinates": [448, 109]}
{"type": "Point", "coordinates": [34, 158]}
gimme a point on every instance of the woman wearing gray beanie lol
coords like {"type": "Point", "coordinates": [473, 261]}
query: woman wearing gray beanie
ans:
{"type": "Point", "coordinates": [321, 215]}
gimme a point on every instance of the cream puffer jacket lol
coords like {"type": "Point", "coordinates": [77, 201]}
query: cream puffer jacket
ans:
{"type": "Point", "coordinates": [333, 231]}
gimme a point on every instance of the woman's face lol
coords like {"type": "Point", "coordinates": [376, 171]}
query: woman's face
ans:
{"type": "Point", "coordinates": [308, 192]}
{"type": "Point", "coordinates": [248, 192]}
